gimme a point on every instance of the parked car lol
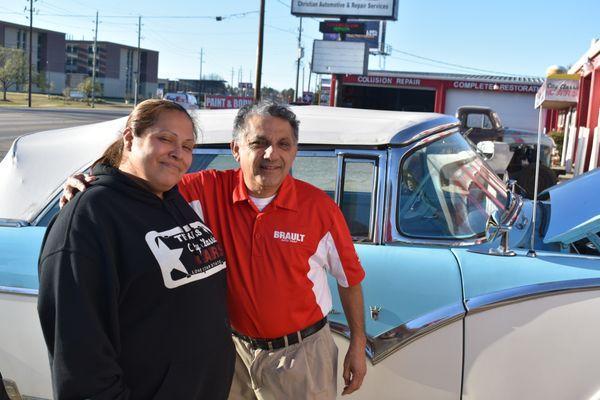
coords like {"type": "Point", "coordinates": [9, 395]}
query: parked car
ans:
{"type": "Point", "coordinates": [187, 100]}
{"type": "Point", "coordinates": [455, 307]}
{"type": "Point", "coordinates": [514, 151]}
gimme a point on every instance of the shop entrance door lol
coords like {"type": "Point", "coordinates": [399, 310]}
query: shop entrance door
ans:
{"type": "Point", "coordinates": [393, 99]}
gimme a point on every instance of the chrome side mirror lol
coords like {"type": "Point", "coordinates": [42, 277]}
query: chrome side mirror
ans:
{"type": "Point", "coordinates": [487, 148]}
{"type": "Point", "coordinates": [495, 227]}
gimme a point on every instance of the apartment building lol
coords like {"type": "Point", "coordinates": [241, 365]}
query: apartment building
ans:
{"type": "Point", "coordinates": [116, 68]}
{"type": "Point", "coordinates": [48, 57]}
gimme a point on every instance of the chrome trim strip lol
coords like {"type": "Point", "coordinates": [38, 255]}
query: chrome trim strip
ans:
{"type": "Point", "coordinates": [382, 346]}
{"type": "Point", "coordinates": [424, 129]}
{"type": "Point", "coordinates": [16, 290]}
{"type": "Point", "coordinates": [13, 223]}
{"type": "Point", "coordinates": [523, 293]}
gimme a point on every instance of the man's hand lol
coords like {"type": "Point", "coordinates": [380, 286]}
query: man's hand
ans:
{"type": "Point", "coordinates": [355, 365]}
{"type": "Point", "coordinates": [75, 184]}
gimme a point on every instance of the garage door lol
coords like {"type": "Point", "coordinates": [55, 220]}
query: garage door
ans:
{"type": "Point", "coordinates": [515, 110]}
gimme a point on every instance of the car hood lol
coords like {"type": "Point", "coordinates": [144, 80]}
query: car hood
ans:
{"type": "Point", "coordinates": [574, 209]}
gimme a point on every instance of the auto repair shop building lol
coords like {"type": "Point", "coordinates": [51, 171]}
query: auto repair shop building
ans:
{"type": "Point", "coordinates": [512, 97]}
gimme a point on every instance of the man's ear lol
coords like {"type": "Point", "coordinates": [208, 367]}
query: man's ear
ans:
{"type": "Point", "coordinates": [127, 139]}
{"type": "Point", "coordinates": [235, 150]}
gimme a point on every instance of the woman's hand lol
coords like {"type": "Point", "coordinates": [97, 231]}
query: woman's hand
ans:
{"type": "Point", "coordinates": [75, 184]}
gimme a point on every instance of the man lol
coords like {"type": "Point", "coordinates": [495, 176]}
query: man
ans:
{"type": "Point", "coordinates": [280, 237]}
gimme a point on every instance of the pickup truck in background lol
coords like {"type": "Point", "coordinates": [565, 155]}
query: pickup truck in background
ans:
{"type": "Point", "coordinates": [510, 152]}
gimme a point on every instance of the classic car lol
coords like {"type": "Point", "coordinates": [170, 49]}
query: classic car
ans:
{"type": "Point", "coordinates": [514, 151]}
{"type": "Point", "coordinates": [467, 296]}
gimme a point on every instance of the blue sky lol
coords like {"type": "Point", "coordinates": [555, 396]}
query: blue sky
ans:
{"type": "Point", "coordinates": [513, 37]}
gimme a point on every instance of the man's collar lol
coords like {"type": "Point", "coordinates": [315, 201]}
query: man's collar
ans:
{"type": "Point", "coordinates": [286, 195]}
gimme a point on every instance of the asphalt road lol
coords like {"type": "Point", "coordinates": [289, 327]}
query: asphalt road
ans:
{"type": "Point", "coordinates": [15, 122]}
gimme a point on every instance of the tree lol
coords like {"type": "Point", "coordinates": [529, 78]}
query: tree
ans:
{"type": "Point", "coordinates": [85, 87]}
{"type": "Point", "coordinates": [288, 94]}
{"type": "Point", "coordinates": [13, 68]}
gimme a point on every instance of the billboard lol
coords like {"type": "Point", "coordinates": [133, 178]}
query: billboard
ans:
{"type": "Point", "coordinates": [365, 9]}
{"type": "Point", "coordinates": [374, 35]}
{"type": "Point", "coordinates": [339, 57]}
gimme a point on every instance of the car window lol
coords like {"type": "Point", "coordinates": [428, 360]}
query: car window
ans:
{"type": "Point", "coordinates": [482, 121]}
{"type": "Point", "coordinates": [318, 171]}
{"type": "Point", "coordinates": [447, 192]}
{"type": "Point", "coordinates": [212, 161]}
{"type": "Point", "coordinates": [46, 217]}
{"type": "Point", "coordinates": [357, 194]}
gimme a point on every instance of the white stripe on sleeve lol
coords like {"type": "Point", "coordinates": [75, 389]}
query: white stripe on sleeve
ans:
{"type": "Point", "coordinates": [325, 259]}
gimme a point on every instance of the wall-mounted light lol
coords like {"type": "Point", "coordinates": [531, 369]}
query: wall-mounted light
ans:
{"type": "Point", "coordinates": [587, 67]}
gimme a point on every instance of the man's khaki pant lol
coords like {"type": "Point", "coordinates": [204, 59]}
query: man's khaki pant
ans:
{"type": "Point", "coordinates": [302, 371]}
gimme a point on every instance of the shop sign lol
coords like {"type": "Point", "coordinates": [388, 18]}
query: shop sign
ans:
{"type": "Point", "coordinates": [218, 101]}
{"type": "Point", "coordinates": [383, 80]}
{"type": "Point", "coordinates": [366, 9]}
{"type": "Point", "coordinates": [559, 91]}
{"type": "Point", "coordinates": [492, 86]}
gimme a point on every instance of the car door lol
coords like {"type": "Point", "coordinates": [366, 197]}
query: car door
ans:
{"type": "Point", "coordinates": [412, 294]}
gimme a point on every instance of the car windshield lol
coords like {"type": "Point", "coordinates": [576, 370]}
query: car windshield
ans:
{"type": "Point", "coordinates": [447, 191]}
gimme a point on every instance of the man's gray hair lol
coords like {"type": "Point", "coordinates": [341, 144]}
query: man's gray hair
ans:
{"type": "Point", "coordinates": [263, 108]}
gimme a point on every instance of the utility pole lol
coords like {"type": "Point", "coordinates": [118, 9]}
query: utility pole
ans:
{"type": "Point", "coordinates": [339, 77]}
{"type": "Point", "coordinates": [299, 58]}
{"type": "Point", "coordinates": [201, 61]}
{"type": "Point", "coordinates": [302, 91]}
{"type": "Point", "coordinates": [137, 74]}
{"type": "Point", "coordinates": [30, 51]}
{"type": "Point", "coordinates": [231, 80]}
{"type": "Point", "coordinates": [259, 52]}
{"type": "Point", "coordinates": [200, 78]}
{"type": "Point", "coordinates": [94, 52]}
{"type": "Point", "coordinates": [309, 75]}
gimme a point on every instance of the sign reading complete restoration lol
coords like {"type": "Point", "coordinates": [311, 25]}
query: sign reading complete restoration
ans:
{"type": "Point", "coordinates": [366, 9]}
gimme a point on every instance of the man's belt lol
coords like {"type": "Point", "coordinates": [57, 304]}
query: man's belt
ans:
{"type": "Point", "coordinates": [280, 342]}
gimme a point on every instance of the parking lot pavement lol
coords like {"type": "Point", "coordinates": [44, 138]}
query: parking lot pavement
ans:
{"type": "Point", "coordinates": [15, 122]}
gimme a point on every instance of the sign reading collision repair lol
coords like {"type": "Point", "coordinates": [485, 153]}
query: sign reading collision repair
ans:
{"type": "Point", "coordinates": [368, 9]}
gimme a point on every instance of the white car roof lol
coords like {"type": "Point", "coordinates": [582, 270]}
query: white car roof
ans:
{"type": "Point", "coordinates": [36, 166]}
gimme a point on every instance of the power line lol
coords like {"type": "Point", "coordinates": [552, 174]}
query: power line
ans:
{"type": "Point", "coordinates": [215, 17]}
{"type": "Point", "coordinates": [451, 64]}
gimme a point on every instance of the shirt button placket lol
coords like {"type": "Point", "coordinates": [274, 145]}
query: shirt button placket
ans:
{"type": "Point", "coordinates": [257, 237]}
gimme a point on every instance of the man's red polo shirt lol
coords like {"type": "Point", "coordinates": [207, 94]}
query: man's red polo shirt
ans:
{"type": "Point", "coordinates": [277, 259]}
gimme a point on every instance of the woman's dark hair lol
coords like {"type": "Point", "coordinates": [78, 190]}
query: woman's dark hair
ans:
{"type": "Point", "coordinates": [143, 116]}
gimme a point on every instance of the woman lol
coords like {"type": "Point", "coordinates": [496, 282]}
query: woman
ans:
{"type": "Point", "coordinates": [132, 283]}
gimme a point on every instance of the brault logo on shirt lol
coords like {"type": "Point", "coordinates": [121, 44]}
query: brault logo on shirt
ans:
{"type": "Point", "coordinates": [291, 237]}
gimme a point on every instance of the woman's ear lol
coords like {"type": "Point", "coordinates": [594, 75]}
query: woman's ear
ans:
{"type": "Point", "coordinates": [127, 139]}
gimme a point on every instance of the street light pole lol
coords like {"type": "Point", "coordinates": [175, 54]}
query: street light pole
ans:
{"type": "Point", "coordinates": [259, 52]}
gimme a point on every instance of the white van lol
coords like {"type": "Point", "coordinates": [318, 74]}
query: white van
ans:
{"type": "Point", "coordinates": [187, 100]}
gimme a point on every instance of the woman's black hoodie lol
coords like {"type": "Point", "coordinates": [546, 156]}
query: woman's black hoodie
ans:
{"type": "Point", "coordinates": [132, 297]}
